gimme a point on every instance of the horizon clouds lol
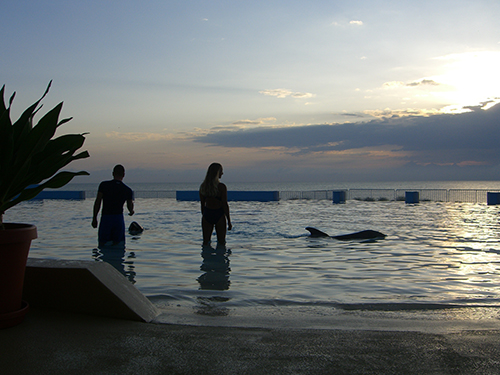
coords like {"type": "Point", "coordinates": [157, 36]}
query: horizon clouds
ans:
{"type": "Point", "coordinates": [465, 140]}
{"type": "Point", "coordinates": [436, 147]}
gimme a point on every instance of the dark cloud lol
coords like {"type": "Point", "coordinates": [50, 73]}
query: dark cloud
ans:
{"type": "Point", "coordinates": [445, 138]}
{"type": "Point", "coordinates": [423, 82]}
{"type": "Point", "coordinates": [353, 115]}
{"type": "Point", "coordinates": [247, 122]}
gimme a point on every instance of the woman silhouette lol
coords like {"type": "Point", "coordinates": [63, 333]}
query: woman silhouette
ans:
{"type": "Point", "coordinates": [214, 206]}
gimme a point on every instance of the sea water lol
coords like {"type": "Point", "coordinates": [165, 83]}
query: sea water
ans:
{"type": "Point", "coordinates": [435, 255]}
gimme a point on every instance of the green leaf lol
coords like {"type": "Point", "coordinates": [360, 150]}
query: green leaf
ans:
{"type": "Point", "coordinates": [6, 132]}
{"type": "Point", "coordinates": [29, 155]}
{"type": "Point", "coordinates": [22, 126]}
{"type": "Point", "coordinates": [34, 142]}
{"type": "Point", "coordinates": [59, 180]}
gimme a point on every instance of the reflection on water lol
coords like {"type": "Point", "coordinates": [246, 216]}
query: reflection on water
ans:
{"type": "Point", "coordinates": [216, 268]}
{"type": "Point", "coordinates": [115, 255]}
{"type": "Point", "coordinates": [434, 252]}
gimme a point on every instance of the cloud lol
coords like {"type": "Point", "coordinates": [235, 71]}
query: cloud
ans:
{"type": "Point", "coordinates": [459, 139]}
{"type": "Point", "coordinates": [344, 23]}
{"type": "Point", "coordinates": [388, 113]}
{"type": "Point", "coordinates": [283, 93]}
{"type": "Point", "coordinates": [358, 115]}
{"type": "Point", "coordinates": [187, 135]}
{"type": "Point", "coordinates": [392, 84]}
{"type": "Point", "coordinates": [247, 122]}
{"type": "Point", "coordinates": [259, 121]}
{"type": "Point", "coordinates": [422, 82]}
{"type": "Point", "coordinates": [147, 136]}
{"type": "Point", "coordinates": [137, 136]}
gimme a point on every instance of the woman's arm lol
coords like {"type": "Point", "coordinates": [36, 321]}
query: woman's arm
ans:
{"type": "Point", "coordinates": [225, 205]}
{"type": "Point", "coordinates": [202, 201]}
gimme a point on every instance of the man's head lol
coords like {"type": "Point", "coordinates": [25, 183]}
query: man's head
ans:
{"type": "Point", "coordinates": [118, 172]}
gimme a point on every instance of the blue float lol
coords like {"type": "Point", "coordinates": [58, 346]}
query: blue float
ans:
{"type": "Point", "coordinates": [255, 196]}
{"type": "Point", "coordinates": [185, 195]}
{"type": "Point", "coordinates": [412, 197]}
{"type": "Point", "coordinates": [339, 196]}
{"type": "Point", "coordinates": [493, 198]}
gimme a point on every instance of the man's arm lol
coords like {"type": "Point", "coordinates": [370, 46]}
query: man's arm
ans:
{"type": "Point", "coordinates": [97, 208]}
{"type": "Point", "coordinates": [130, 207]}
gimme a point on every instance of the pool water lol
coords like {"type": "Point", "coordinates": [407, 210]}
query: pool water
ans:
{"type": "Point", "coordinates": [434, 254]}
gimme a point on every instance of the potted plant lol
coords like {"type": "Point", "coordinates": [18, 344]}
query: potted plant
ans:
{"type": "Point", "coordinates": [30, 160]}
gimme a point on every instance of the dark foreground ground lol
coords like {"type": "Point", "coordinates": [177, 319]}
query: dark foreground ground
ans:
{"type": "Point", "coordinates": [49, 342]}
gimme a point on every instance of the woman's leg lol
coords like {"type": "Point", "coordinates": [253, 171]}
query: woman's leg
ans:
{"type": "Point", "coordinates": [207, 229]}
{"type": "Point", "coordinates": [220, 229]}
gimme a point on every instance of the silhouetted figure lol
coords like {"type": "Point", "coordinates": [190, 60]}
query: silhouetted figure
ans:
{"type": "Point", "coordinates": [214, 206]}
{"type": "Point", "coordinates": [113, 194]}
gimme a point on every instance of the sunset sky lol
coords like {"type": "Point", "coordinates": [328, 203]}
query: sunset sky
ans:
{"type": "Point", "coordinates": [274, 90]}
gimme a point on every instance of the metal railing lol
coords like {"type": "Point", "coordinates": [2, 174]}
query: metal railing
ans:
{"type": "Point", "coordinates": [434, 195]}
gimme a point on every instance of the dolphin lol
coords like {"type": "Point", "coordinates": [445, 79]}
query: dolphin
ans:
{"type": "Point", "coordinates": [135, 228]}
{"type": "Point", "coordinates": [363, 235]}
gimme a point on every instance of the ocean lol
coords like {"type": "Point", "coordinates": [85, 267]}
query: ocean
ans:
{"type": "Point", "coordinates": [438, 258]}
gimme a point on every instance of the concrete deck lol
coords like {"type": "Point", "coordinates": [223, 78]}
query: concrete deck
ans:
{"type": "Point", "coordinates": [51, 342]}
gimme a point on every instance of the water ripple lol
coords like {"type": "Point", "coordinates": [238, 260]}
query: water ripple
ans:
{"type": "Point", "coordinates": [434, 253]}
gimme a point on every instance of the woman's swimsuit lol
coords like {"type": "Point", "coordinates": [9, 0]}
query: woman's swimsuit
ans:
{"type": "Point", "coordinates": [213, 215]}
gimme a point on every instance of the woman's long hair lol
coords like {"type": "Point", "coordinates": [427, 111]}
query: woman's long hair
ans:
{"type": "Point", "coordinates": [210, 186]}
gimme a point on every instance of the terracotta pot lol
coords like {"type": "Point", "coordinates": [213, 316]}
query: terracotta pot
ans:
{"type": "Point", "coordinates": [15, 243]}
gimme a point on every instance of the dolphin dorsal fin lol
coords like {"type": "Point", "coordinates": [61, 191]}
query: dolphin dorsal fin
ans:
{"type": "Point", "coordinates": [316, 232]}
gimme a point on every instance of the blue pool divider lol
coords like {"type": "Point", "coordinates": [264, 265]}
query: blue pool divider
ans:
{"type": "Point", "coordinates": [255, 196]}
{"type": "Point", "coordinates": [58, 194]}
{"type": "Point", "coordinates": [185, 195]}
{"type": "Point", "coordinates": [339, 196]}
{"type": "Point", "coordinates": [493, 198]}
{"type": "Point", "coordinates": [412, 197]}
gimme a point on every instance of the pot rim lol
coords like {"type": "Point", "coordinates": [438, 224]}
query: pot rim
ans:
{"type": "Point", "coordinates": [18, 232]}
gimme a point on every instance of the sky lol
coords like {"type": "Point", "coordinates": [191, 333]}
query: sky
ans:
{"type": "Point", "coordinates": [288, 91]}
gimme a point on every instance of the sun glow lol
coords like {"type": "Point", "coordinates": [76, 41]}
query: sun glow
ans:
{"type": "Point", "coordinates": [472, 77]}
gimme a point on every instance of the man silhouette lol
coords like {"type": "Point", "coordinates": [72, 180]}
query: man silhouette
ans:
{"type": "Point", "coordinates": [113, 194]}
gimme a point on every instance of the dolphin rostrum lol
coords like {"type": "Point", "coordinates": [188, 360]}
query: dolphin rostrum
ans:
{"type": "Point", "coordinates": [363, 235]}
